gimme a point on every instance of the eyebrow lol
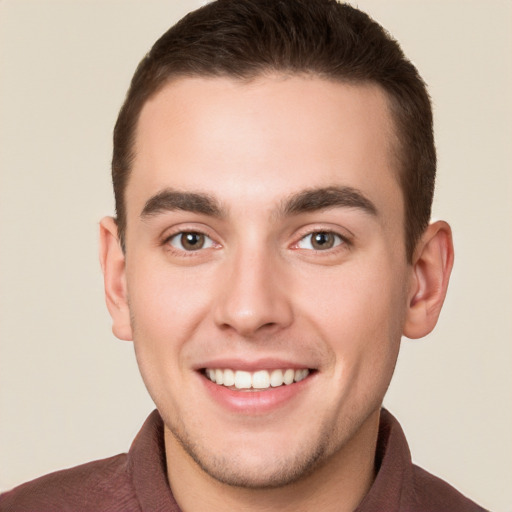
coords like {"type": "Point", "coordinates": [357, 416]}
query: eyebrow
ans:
{"type": "Point", "coordinates": [315, 199]}
{"type": "Point", "coordinates": [171, 200]}
{"type": "Point", "coordinates": [309, 200]}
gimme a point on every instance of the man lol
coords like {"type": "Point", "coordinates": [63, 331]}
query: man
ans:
{"type": "Point", "coordinates": [273, 171]}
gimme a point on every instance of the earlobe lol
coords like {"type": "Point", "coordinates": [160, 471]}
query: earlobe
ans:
{"type": "Point", "coordinates": [432, 265]}
{"type": "Point", "coordinates": [112, 262]}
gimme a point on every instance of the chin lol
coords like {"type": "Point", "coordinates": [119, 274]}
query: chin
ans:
{"type": "Point", "coordinates": [259, 465]}
{"type": "Point", "coordinates": [265, 473]}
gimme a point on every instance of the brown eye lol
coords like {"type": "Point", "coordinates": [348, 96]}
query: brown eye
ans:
{"type": "Point", "coordinates": [190, 241]}
{"type": "Point", "coordinates": [320, 241]}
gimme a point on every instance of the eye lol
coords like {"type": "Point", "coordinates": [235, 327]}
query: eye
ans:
{"type": "Point", "coordinates": [320, 241]}
{"type": "Point", "coordinates": [190, 241]}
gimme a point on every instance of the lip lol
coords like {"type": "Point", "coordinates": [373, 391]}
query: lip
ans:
{"type": "Point", "coordinates": [252, 366]}
{"type": "Point", "coordinates": [252, 402]}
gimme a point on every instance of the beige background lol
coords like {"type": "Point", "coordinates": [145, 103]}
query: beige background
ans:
{"type": "Point", "coordinates": [70, 392]}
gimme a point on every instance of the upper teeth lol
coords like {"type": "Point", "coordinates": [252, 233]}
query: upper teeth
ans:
{"type": "Point", "coordinates": [261, 379]}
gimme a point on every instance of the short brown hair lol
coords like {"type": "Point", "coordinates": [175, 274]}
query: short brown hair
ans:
{"type": "Point", "coordinates": [244, 39]}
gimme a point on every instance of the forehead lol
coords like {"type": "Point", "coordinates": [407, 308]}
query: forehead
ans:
{"type": "Point", "coordinates": [258, 141]}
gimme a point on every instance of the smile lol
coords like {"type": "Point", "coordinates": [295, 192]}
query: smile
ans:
{"type": "Point", "coordinates": [259, 380]}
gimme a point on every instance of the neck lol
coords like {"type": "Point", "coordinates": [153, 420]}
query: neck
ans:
{"type": "Point", "coordinates": [338, 484]}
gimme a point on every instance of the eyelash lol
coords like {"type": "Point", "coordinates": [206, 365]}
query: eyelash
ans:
{"type": "Point", "coordinates": [168, 241]}
{"type": "Point", "coordinates": [342, 241]}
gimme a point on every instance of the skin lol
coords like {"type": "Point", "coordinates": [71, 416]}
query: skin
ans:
{"type": "Point", "coordinates": [258, 294]}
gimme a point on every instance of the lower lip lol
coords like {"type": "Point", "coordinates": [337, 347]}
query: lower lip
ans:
{"type": "Point", "coordinates": [255, 402]}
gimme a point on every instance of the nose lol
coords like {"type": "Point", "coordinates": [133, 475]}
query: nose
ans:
{"type": "Point", "coordinates": [254, 298]}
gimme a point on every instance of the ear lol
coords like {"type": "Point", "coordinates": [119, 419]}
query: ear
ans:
{"type": "Point", "coordinates": [432, 266]}
{"type": "Point", "coordinates": [114, 276]}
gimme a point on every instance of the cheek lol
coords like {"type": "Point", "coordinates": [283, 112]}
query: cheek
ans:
{"type": "Point", "coordinates": [359, 311]}
{"type": "Point", "coordinates": [165, 298]}
{"type": "Point", "coordinates": [166, 309]}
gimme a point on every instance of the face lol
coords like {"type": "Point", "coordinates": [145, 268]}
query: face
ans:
{"type": "Point", "coordinates": [265, 271]}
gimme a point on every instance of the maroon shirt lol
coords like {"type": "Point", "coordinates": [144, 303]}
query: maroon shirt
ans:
{"type": "Point", "coordinates": [137, 481]}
